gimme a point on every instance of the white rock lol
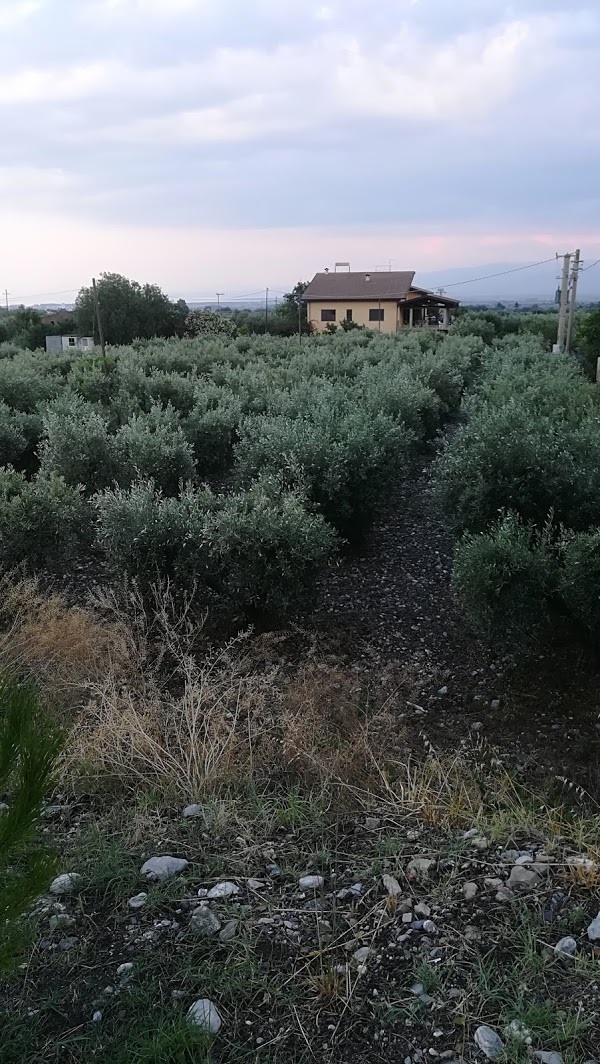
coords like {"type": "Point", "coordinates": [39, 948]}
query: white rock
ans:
{"type": "Point", "coordinates": [362, 955]}
{"type": "Point", "coordinates": [392, 886]}
{"type": "Point", "coordinates": [159, 868]}
{"type": "Point", "coordinates": [470, 891]}
{"type": "Point", "coordinates": [4, 807]}
{"type": "Point", "coordinates": [204, 923]}
{"type": "Point", "coordinates": [525, 858]}
{"type": "Point", "coordinates": [229, 931]}
{"type": "Point", "coordinates": [490, 1043]}
{"type": "Point", "coordinates": [223, 890]}
{"type": "Point", "coordinates": [522, 878]}
{"type": "Point", "coordinates": [518, 1032]}
{"type": "Point", "coordinates": [548, 1058]}
{"type": "Point", "coordinates": [60, 921]}
{"type": "Point", "coordinates": [204, 1014]}
{"type": "Point", "coordinates": [480, 843]}
{"type": "Point", "coordinates": [422, 909]}
{"type": "Point", "coordinates": [255, 884]}
{"type": "Point", "coordinates": [429, 927]}
{"type": "Point", "coordinates": [421, 866]}
{"type": "Point", "coordinates": [138, 900]}
{"type": "Point", "coordinates": [193, 811]}
{"type": "Point", "coordinates": [65, 884]}
{"type": "Point", "coordinates": [124, 969]}
{"type": "Point", "coordinates": [567, 947]}
{"type": "Point", "coordinates": [311, 882]}
{"type": "Point", "coordinates": [96, 1018]}
{"type": "Point", "coordinates": [593, 930]}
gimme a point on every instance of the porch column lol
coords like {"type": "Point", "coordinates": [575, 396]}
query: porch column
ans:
{"type": "Point", "coordinates": [411, 317]}
{"type": "Point", "coordinates": [446, 318]}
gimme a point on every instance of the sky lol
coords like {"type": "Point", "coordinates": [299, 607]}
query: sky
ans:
{"type": "Point", "coordinates": [230, 145]}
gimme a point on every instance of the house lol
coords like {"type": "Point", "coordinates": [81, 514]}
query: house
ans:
{"type": "Point", "coordinates": [67, 343]}
{"type": "Point", "coordinates": [384, 301]}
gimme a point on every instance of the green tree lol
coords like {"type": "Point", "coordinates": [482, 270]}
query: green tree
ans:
{"type": "Point", "coordinates": [208, 323]}
{"type": "Point", "coordinates": [29, 746]}
{"type": "Point", "coordinates": [129, 310]}
{"type": "Point", "coordinates": [291, 312]}
{"type": "Point", "coordinates": [589, 335]}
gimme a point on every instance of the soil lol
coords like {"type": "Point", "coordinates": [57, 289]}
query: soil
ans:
{"type": "Point", "coordinates": [392, 608]}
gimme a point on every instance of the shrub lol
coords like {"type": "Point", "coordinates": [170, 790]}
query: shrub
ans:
{"type": "Point", "coordinates": [94, 378]}
{"type": "Point", "coordinates": [579, 584]}
{"type": "Point", "coordinates": [43, 522]}
{"type": "Point", "coordinates": [506, 457]}
{"type": "Point", "coordinates": [29, 746]}
{"type": "Point", "coordinates": [268, 550]}
{"type": "Point", "coordinates": [506, 577]}
{"type": "Point", "coordinates": [19, 435]}
{"type": "Point", "coordinates": [249, 553]}
{"type": "Point", "coordinates": [212, 432]}
{"type": "Point", "coordinates": [154, 446]}
{"type": "Point", "coordinates": [344, 462]}
{"type": "Point", "coordinates": [209, 323]}
{"type": "Point", "coordinates": [78, 446]}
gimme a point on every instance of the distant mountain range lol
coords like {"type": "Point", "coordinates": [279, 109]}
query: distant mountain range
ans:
{"type": "Point", "coordinates": [537, 284]}
{"type": "Point", "coordinates": [470, 284]}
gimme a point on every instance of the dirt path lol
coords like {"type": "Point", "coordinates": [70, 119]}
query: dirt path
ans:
{"type": "Point", "coordinates": [393, 608]}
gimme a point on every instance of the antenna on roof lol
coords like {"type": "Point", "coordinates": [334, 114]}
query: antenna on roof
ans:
{"type": "Point", "coordinates": [342, 264]}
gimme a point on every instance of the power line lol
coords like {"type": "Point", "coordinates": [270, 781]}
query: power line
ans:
{"type": "Point", "coordinates": [586, 268]}
{"type": "Point", "coordinates": [503, 273]}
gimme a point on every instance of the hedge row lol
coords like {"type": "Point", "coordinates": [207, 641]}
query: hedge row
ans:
{"type": "Point", "coordinates": [521, 479]}
{"type": "Point", "coordinates": [235, 466]}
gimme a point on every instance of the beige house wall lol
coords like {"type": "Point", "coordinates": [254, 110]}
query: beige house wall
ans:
{"type": "Point", "coordinates": [360, 314]}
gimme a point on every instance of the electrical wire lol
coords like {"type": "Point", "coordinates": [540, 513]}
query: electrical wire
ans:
{"type": "Point", "coordinates": [503, 273]}
{"type": "Point", "coordinates": [586, 268]}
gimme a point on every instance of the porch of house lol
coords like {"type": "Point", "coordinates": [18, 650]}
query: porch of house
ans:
{"type": "Point", "coordinates": [426, 311]}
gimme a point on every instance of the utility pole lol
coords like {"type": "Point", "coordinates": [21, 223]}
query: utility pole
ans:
{"type": "Point", "coordinates": [267, 311]}
{"type": "Point", "coordinates": [564, 295]}
{"type": "Point", "coordinates": [219, 294]}
{"type": "Point", "coordinates": [98, 318]}
{"type": "Point", "coordinates": [300, 320]}
{"type": "Point", "coordinates": [573, 297]}
{"type": "Point", "coordinates": [6, 297]}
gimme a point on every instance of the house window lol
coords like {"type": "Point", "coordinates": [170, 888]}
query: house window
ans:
{"type": "Point", "coordinates": [72, 341]}
{"type": "Point", "coordinates": [328, 315]}
{"type": "Point", "coordinates": [376, 314]}
{"type": "Point", "coordinates": [349, 315]}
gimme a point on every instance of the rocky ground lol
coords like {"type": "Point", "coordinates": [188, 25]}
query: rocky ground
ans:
{"type": "Point", "coordinates": [277, 927]}
{"type": "Point", "coordinates": [363, 939]}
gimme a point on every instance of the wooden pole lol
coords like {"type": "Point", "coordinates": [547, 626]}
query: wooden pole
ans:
{"type": "Point", "coordinates": [564, 293]}
{"type": "Point", "coordinates": [98, 317]}
{"type": "Point", "coordinates": [571, 320]}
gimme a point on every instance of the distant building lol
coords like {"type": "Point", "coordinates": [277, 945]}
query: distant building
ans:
{"type": "Point", "coordinates": [67, 343]}
{"type": "Point", "coordinates": [384, 301]}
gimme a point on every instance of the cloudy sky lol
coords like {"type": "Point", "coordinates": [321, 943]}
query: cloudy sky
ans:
{"type": "Point", "coordinates": [233, 144]}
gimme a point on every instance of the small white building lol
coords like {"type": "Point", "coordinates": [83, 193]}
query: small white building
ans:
{"type": "Point", "coordinates": [68, 343]}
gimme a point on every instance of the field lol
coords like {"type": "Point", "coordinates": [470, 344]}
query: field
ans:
{"type": "Point", "coordinates": [341, 596]}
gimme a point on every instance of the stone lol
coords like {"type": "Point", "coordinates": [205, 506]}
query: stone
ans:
{"type": "Point", "coordinates": [493, 883]}
{"type": "Point", "coordinates": [205, 1014]}
{"type": "Point", "coordinates": [548, 1058]}
{"type": "Point", "coordinates": [470, 891]}
{"type": "Point", "coordinates": [417, 989]}
{"type": "Point", "coordinates": [4, 807]}
{"type": "Point", "coordinates": [442, 692]}
{"type": "Point", "coordinates": [567, 947]}
{"type": "Point", "coordinates": [490, 1043]}
{"type": "Point", "coordinates": [66, 944]}
{"type": "Point", "coordinates": [518, 1032]}
{"type": "Point", "coordinates": [407, 918]}
{"type": "Point", "coordinates": [311, 882]}
{"type": "Point", "coordinates": [372, 823]}
{"type": "Point", "coordinates": [392, 886]}
{"type": "Point", "coordinates": [522, 878]}
{"type": "Point", "coordinates": [362, 955]}
{"type": "Point", "coordinates": [158, 868]}
{"type": "Point", "coordinates": [593, 931]}
{"type": "Point", "coordinates": [60, 921]}
{"type": "Point", "coordinates": [421, 866]}
{"type": "Point", "coordinates": [504, 894]}
{"type": "Point", "coordinates": [223, 890]}
{"type": "Point", "coordinates": [480, 843]}
{"type": "Point", "coordinates": [273, 870]}
{"type": "Point", "coordinates": [193, 811]}
{"type": "Point", "coordinates": [97, 1017]}
{"type": "Point", "coordinates": [65, 884]}
{"type": "Point", "coordinates": [204, 923]}
{"type": "Point", "coordinates": [254, 884]}
{"type": "Point", "coordinates": [229, 931]}
{"type": "Point", "coordinates": [138, 900]}
{"type": "Point", "coordinates": [429, 927]}
{"type": "Point", "coordinates": [124, 970]}
{"type": "Point", "coordinates": [525, 858]}
{"type": "Point", "coordinates": [422, 909]}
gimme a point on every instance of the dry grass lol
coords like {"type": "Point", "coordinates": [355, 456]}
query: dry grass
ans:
{"type": "Point", "coordinates": [63, 647]}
